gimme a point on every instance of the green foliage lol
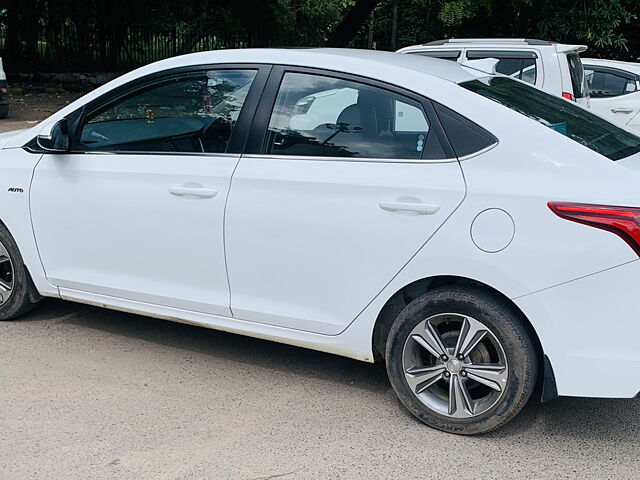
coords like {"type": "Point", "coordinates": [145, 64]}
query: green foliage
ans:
{"type": "Point", "coordinates": [119, 34]}
{"type": "Point", "coordinates": [455, 12]}
{"type": "Point", "coordinates": [596, 22]}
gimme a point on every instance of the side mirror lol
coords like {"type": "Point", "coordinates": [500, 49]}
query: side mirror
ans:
{"type": "Point", "coordinates": [56, 140]}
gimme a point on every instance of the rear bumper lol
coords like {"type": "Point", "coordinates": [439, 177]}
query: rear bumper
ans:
{"type": "Point", "coordinates": [590, 330]}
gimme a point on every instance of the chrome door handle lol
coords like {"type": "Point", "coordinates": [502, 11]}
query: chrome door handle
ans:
{"type": "Point", "coordinates": [622, 110]}
{"type": "Point", "coordinates": [421, 208]}
{"type": "Point", "coordinates": [193, 192]}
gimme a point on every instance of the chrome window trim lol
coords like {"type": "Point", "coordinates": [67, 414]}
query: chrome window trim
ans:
{"type": "Point", "coordinates": [369, 159]}
{"type": "Point", "coordinates": [292, 157]}
{"type": "Point", "coordinates": [479, 152]}
{"type": "Point", "coordinates": [162, 153]}
{"type": "Point", "coordinates": [347, 159]}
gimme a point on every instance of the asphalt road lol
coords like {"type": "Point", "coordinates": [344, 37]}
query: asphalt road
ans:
{"type": "Point", "coordinates": [89, 393]}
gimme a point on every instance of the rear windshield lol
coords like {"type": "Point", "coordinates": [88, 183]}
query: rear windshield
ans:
{"type": "Point", "coordinates": [561, 115]}
{"type": "Point", "coordinates": [576, 71]}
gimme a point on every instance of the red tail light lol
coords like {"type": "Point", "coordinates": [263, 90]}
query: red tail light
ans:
{"type": "Point", "coordinates": [568, 96]}
{"type": "Point", "coordinates": [623, 221]}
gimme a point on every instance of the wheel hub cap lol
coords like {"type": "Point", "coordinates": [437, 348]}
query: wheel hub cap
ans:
{"type": "Point", "coordinates": [454, 366]}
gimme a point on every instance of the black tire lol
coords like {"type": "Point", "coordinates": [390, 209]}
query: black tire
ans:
{"type": "Point", "coordinates": [24, 295]}
{"type": "Point", "coordinates": [506, 327]}
{"type": "Point", "coordinates": [4, 110]}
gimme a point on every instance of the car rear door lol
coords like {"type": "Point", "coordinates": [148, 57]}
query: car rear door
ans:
{"type": "Point", "coordinates": [333, 198]}
{"type": "Point", "coordinates": [136, 210]}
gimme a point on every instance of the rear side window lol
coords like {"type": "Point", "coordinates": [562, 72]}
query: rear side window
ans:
{"type": "Point", "coordinates": [514, 64]}
{"type": "Point", "coordinates": [316, 115]}
{"type": "Point", "coordinates": [465, 137]}
{"type": "Point", "coordinates": [563, 116]}
{"type": "Point", "coordinates": [576, 71]}
{"type": "Point", "coordinates": [604, 84]}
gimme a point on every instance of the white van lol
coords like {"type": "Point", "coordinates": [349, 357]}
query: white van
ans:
{"type": "Point", "coordinates": [554, 67]}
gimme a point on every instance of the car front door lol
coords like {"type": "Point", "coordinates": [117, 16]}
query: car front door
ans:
{"type": "Point", "coordinates": [347, 181]}
{"type": "Point", "coordinates": [615, 94]}
{"type": "Point", "coordinates": [135, 210]}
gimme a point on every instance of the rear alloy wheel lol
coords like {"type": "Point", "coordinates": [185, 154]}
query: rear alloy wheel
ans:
{"type": "Point", "coordinates": [17, 293]}
{"type": "Point", "coordinates": [461, 361]}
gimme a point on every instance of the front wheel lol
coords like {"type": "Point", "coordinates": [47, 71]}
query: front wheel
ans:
{"type": "Point", "coordinates": [17, 293]}
{"type": "Point", "coordinates": [461, 361]}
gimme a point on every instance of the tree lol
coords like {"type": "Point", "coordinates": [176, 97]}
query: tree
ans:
{"type": "Point", "coordinates": [352, 23]}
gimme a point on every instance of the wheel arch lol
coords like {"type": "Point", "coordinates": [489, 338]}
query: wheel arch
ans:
{"type": "Point", "coordinates": [402, 297]}
{"type": "Point", "coordinates": [34, 294]}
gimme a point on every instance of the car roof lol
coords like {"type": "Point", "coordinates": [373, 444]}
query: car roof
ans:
{"type": "Point", "coordinates": [339, 59]}
{"type": "Point", "coordinates": [494, 42]}
{"type": "Point", "coordinates": [628, 66]}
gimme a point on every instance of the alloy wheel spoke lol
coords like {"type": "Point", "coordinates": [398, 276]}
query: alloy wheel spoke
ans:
{"type": "Point", "coordinates": [471, 335]}
{"type": "Point", "coordinates": [460, 404]}
{"type": "Point", "coordinates": [421, 378]}
{"type": "Point", "coordinates": [5, 291]}
{"type": "Point", "coordinates": [430, 339]}
{"type": "Point", "coordinates": [493, 376]}
{"type": "Point", "coordinates": [3, 252]}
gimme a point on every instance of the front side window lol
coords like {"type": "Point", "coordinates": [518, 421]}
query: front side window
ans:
{"type": "Point", "coordinates": [563, 116]}
{"type": "Point", "coordinates": [323, 116]}
{"type": "Point", "coordinates": [604, 84]}
{"type": "Point", "coordinates": [194, 112]}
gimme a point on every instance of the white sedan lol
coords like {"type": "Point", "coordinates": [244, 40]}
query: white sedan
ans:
{"type": "Point", "coordinates": [478, 235]}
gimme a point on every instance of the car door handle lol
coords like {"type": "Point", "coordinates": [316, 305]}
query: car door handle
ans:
{"type": "Point", "coordinates": [418, 207]}
{"type": "Point", "coordinates": [193, 192]}
{"type": "Point", "coordinates": [622, 110]}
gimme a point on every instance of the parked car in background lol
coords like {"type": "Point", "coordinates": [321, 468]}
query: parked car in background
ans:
{"type": "Point", "coordinates": [554, 67]}
{"type": "Point", "coordinates": [477, 234]}
{"type": "Point", "coordinates": [4, 93]}
{"type": "Point", "coordinates": [614, 88]}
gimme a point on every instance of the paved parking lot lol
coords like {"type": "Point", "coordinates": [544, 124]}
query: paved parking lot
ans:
{"type": "Point", "coordinates": [90, 393]}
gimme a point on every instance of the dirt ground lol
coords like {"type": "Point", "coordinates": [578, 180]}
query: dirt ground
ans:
{"type": "Point", "coordinates": [28, 106]}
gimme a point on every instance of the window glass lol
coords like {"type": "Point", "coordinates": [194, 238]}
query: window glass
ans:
{"type": "Point", "coordinates": [576, 71]}
{"type": "Point", "coordinates": [607, 84]}
{"type": "Point", "coordinates": [193, 112]}
{"type": "Point", "coordinates": [466, 137]}
{"type": "Point", "coordinates": [521, 68]}
{"type": "Point", "coordinates": [322, 116]}
{"type": "Point", "coordinates": [560, 115]}
{"type": "Point", "coordinates": [442, 54]}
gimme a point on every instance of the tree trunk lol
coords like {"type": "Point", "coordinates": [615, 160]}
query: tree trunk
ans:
{"type": "Point", "coordinates": [351, 24]}
{"type": "Point", "coordinates": [394, 27]}
{"type": "Point", "coordinates": [372, 24]}
{"type": "Point", "coordinates": [11, 47]}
